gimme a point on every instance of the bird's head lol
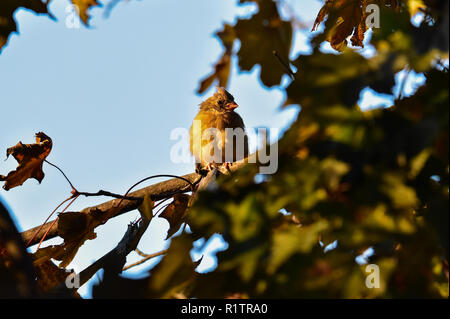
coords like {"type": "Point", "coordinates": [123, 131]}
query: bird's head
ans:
{"type": "Point", "coordinates": [222, 101]}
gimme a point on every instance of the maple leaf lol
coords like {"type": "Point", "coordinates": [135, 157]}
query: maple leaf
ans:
{"type": "Point", "coordinates": [83, 7]}
{"type": "Point", "coordinates": [222, 67]}
{"type": "Point", "coordinates": [261, 35]}
{"type": "Point", "coordinates": [30, 158]}
{"type": "Point", "coordinates": [7, 10]}
{"type": "Point", "coordinates": [345, 18]}
{"type": "Point", "coordinates": [175, 213]}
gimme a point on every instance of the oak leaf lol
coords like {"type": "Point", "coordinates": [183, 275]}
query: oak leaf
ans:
{"type": "Point", "coordinates": [30, 158]}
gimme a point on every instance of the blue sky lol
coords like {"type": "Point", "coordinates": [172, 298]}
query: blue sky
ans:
{"type": "Point", "coordinates": [109, 97]}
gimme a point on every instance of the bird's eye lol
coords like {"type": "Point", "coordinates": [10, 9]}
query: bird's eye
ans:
{"type": "Point", "coordinates": [220, 102]}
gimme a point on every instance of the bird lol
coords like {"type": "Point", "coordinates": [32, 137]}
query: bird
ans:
{"type": "Point", "coordinates": [217, 134]}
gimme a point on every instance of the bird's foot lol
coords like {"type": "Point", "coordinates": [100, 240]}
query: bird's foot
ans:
{"type": "Point", "coordinates": [227, 166]}
{"type": "Point", "coordinates": [205, 168]}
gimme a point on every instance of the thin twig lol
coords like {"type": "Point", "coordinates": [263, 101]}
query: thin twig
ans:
{"type": "Point", "coordinates": [140, 252]}
{"type": "Point", "coordinates": [39, 229]}
{"type": "Point", "coordinates": [160, 209]}
{"type": "Point", "coordinates": [285, 65]}
{"type": "Point", "coordinates": [75, 192]}
{"type": "Point", "coordinates": [162, 252]}
{"type": "Point", "coordinates": [106, 193]}
{"type": "Point", "coordinates": [67, 179]}
{"type": "Point", "coordinates": [65, 208]}
{"type": "Point", "coordinates": [150, 177]}
{"type": "Point", "coordinates": [157, 176]}
{"type": "Point", "coordinates": [162, 201]}
{"type": "Point", "coordinates": [157, 191]}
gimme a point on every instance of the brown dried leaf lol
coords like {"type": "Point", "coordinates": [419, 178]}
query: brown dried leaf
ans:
{"type": "Point", "coordinates": [49, 276]}
{"type": "Point", "coordinates": [221, 73]}
{"type": "Point", "coordinates": [30, 158]}
{"type": "Point", "coordinates": [75, 228]}
{"type": "Point", "coordinates": [175, 213]}
{"type": "Point", "coordinates": [348, 19]}
{"type": "Point", "coordinates": [83, 7]}
{"type": "Point", "coordinates": [146, 208]}
{"type": "Point", "coordinates": [358, 36]}
{"type": "Point", "coordinates": [64, 252]}
{"type": "Point", "coordinates": [322, 14]}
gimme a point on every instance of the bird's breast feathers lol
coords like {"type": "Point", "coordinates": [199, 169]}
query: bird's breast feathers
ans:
{"type": "Point", "coordinates": [201, 137]}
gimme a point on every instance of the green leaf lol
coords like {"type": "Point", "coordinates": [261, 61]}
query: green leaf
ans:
{"type": "Point", "coordinates": [173, 274]}
{"type": "Point", "coordinates": [292, 239]}
{"type": "Point", "coordinates": [222, 68]}
{"type": "Point", "coordinates": [261, 35]}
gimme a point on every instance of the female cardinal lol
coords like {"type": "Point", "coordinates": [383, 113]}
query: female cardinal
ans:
{"type": "Point", "coordinates": [217, 134]}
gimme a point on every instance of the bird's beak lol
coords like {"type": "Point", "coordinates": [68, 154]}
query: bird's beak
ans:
{"type": "Point", "coordinates": [232, 105]}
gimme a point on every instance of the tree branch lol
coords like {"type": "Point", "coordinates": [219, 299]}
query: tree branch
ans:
{"type": "Point", "coordinates": [156, 191]}
{"type": "Point", "coordinates": [114, 261]}
{"type": "Point", "coordinates": [147, 257]}
{"type": "Point", "coordinates": [106, 193]}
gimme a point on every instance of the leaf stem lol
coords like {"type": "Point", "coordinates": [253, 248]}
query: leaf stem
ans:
{"type": "Point", "coordinates": [39, 229]}
{"type": "Point", "coordinates": [156, 176]}
{"type": "Point", "coordinates": [74, 190]}
{"type": "Point", "coordinates": [284, 64]}
{"type": "Point", "coordinates": [50, 227]}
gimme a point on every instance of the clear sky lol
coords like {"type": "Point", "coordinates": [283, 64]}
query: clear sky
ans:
{"type": "Point", "coordinates": [109, 97]}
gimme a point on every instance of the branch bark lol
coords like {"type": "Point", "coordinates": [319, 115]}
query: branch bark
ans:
{"type": "Point", "coordinates": [157, 191]}
{"type": "Point", "coordinates": [114, 261]}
